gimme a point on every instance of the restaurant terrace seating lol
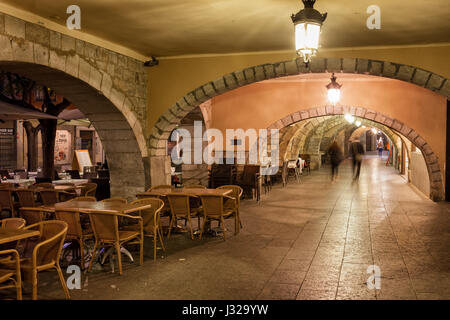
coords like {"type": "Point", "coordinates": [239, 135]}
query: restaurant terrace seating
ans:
{"type": "Point", "coordinates": [83, 199]}
{"type": "Point", "coordinates": [235, 202]}
{"type": "Point", "coordinates": [32, 215]}
{"type": "Point", "coordinates": [88, 189]}
{"type": "Point", "coordinates": [105, 224]}
{"type": "Point", "coordinates": [26, 197]}
{"type": "Point", "coordinates": [12, 223]}
{"type": "Point", "coordinates": [213, 209]}
{"type": "Point", "coordinates": [249, 181]}
{"type": "Point", "coordinates": [117, 199]}
{"type": "Point", "coordinates": [43, 185]}
{"type": "Point", "coordinates": [180, 207]}
{"type": "Point", "coordinates": [151, 221]}
{"type": "Point", "coordinates": [49, 197]}
{"type": "Point", "coordinates": [222, 174]}
{"type": "Point", "coordinates": [162, 186]}
{"type": "Point", "coordinates": [46, 254]}
{"type": "Point", "coordinates": [75, 231]}
{"type": "Point", "coordinates": [7, 201]}
{"type": "Point", "coordinates": [10, 276]}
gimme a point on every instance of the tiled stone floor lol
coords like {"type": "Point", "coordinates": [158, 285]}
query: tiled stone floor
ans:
{"type": "Point", "coordinates": [313, 240]}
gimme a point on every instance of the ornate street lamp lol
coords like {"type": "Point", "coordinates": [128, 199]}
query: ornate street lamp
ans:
{"type": "Point", "coordinates": [334, 91]}
{"type": "Point", "coordinates": [307, 23]}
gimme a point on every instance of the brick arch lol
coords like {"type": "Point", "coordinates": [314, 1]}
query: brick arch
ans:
{"type": "Point", "coordinates": [169, 120]}
{"type": "Point", "coordinates": [107, 87]}
{"type": "Point", "coordinates": [431, 160]}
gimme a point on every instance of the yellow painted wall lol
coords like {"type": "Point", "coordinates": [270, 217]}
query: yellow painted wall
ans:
{"type": "Point", "coordinates": [175, 77]}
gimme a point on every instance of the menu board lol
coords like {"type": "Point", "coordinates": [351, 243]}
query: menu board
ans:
{"type": "Point", "coordinates": [81, 159]}
{"type": "Point", "coordinates": [62, 146]}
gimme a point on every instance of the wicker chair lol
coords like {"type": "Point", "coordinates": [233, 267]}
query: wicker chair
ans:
{"type": "Point", "coordinates": [75, 231]}
{"type": "Point", "coordinates": [6, 201]}
{"type": "Point", "coordinates": [32, 215]}
{"type": "Point", "coordinates": [11, 277]}
{"type": "Point", "coordinates": [214, 210]}
{"type": "Point", "coordinates": [117, 200]}
{"type": "Point", "coordinates": [93, 199]}
{"type": "Point", "coordinates": [44, 185]}
{"type": "Point", "coordinates": [150, 220]}
{"type": "Point", "coordinates": [49, 197]}
{"type": "Point", "coordinates": [12, 223]}
{"type": "Point", "coordinates": [46, 253]}
{"type": "Point", "coordinates": [105, 224]}
{"type": "Point", "coordinates": [88, 189]}
{"type": "Point", "coordinates": [26, 198]}
{"type": "Point", "coordinates": [235, 203]}
{"type": "Point", "coordinates": [181, 209]}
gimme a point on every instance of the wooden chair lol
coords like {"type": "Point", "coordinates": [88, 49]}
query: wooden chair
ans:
{"type": "Point", "coordinates": [11, 277]}
{"type": "Point", "coordinates": [117, 200]}
{"type": "Point", "coordinates": [32, 215]}
{"type": "Point", "coordinates": [49, 197]}
{"type": "Point", "coordinates": [12, 223]}
{"type": "Point", "coordinates": [75, 231]}
{"type": "Point", "coordinates": [26, 197]}
{"type": "Point", "coordinates": [214, 210]}
{"type": "Point", "coordinates": [249, 181]}
{"type": "Point", "coordinates": [93, 199]}
{"type": "Point", "coordinates": [151, 221]}
{"type": "Point", "coordinates": [88, 189]}
{"type": "Point", "coordinates": [180, 207]}
{"type": "Point", "coordinates": [6, 201]}
{"type": "Point", "coordinates": [44, 185]}
{"type": "Point", "coordinates": [46, 253]}
{"type": "Point", "coordinates": [235, 203]}
{"type": "Point", "coordinates": [105, 224]}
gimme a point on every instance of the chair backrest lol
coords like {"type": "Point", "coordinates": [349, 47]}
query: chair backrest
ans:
{"type": "Point", "coordinates": [83, 199]}
{"type": "Point", "coordinates": [12, 223]}
{"type": "Point", "coordinates": [72, 218]}
{"type": "Point", "coordinates": [194, 186]}
{"type": "Point", "coordinates": [32, 215]}
{"type": "Point", "coordinates": [105, 224]}
{"type": "Point", "coordinates": [236, 193]}
{"type": "Point", "coordinates": [117, 200]}
{"type": "Point", "coordinates": [150, 217]}
{"type": "Point", "coordinates": [88, 189]}
{"type": "Point", "coordinates": [6, 200]}
{"type": "Point", "coordinates": [212, 204]}
{"type": "Point", "coordinates": [162, 186]}
{"type": "Point", "coordinates": [179, 204]}
{"type": "Point", "coordinates": [49, 197]}
{"type": "Point", "coordinates": [48, 249]}
{"type": "Point", "coordinates": [26, 197]}
{"type": "Point", "coordinates": [46, 185]}
{"type": "Point", "coordinates": [249, 174]}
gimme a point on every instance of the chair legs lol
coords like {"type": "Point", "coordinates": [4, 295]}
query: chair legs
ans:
{"type": "Point", "coordinates": [119, 257]}
{"type": "Point", "coordinates": [93, 256]}
{"type": "Point", "coordinates": [63, 281]}
{"type": "Point", "coordinates": [34, 282]}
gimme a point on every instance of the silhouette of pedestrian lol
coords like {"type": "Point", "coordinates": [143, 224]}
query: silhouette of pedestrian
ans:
{"type": "Point", "coordinates": [335, 158]}
{"type": "Point", "coordinates": [357, 152]}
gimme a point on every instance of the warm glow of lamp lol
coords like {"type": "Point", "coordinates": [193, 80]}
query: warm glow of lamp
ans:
{"type": "Point", "coordinates": [334, 91]}
{"type": "Point", "coordinates": [374, 131]}
{"type": "Point", "coordinates": [349, 118]}
{"type": "Point", "coordinates": [358, 123]}
{"type": "Point", "coordinates": [307, 23]}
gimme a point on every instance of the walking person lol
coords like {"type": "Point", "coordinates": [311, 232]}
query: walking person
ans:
{"type": "Point", "coordinates": [380, 147]}
{"type": "Point", "coordinates": [356, 151]}
{"type": "Point", "coordinates": [335, 158]}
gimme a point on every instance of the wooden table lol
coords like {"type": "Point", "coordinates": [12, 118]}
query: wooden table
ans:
{"type": "Point", "coordinates": [74, 181]}
{"type": "Point", "coordinates": [194, 191]}
{"type": "Point", "coordinates": [7, 235]}
{"type": "Point", "coordinates": [89, 206]}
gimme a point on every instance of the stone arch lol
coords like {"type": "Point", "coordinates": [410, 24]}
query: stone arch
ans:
{"type": "Point", "coordinates": [109, 88]}
{"type": "Point", "coordinates": [168, 121]}
{"type": "Point", "coordinates": [431, 160]}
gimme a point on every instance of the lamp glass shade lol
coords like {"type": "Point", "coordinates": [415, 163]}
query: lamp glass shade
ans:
{"type": "Point", "coordinates": [307, 39]}
{"type": "Point", "coordinates": [334, 95]}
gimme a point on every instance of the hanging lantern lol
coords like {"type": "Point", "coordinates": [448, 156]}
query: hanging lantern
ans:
{"type": "Point", "coordinates": [308, 23]}
{"type": "Point", "coordinates": [334, 91]}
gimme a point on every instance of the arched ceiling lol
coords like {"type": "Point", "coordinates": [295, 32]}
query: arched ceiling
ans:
{"type": "Point", "coordinates": [173, 27]}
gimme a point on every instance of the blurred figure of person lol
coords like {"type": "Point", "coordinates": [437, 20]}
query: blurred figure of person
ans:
{"type": "Point", "coordinates": [335, 158]}
{"type": "Point", "coordinates": [380, 147]}
{"type": "Point", "coordinates": [357, 152]}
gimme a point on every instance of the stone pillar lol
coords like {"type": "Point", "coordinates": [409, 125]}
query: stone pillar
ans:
{"type": "Point", "coordinates": [160, 170]}
{"type": "Point", "coordinates": [316, 161]}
